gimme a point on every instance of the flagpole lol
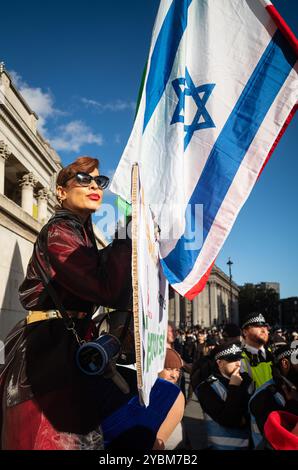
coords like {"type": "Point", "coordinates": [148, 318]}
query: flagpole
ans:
{"type": "Point", "coordinates": [281, 24]}
{"type": "Point", "coordinates": [135, 280]}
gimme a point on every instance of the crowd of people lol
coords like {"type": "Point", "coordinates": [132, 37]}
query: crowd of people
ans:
{"type": "Point", "coordinates": [245, 380]}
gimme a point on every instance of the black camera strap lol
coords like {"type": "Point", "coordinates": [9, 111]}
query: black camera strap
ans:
{"type": "Point", "coordinates": [111, 371]}
{"type": "Point", "coordinates": [68, 321]}
{"type": "Point", "coordinates": [125, 327]}
{"type": "Point", "coordinates": [45, 278]}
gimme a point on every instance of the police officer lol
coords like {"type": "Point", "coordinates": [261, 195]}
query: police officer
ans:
{"type": "Point", "coordinates": [256, 357]}
{"type": "Point", "coordinates": [279, 393]}
{"type": "Point", "coordinates": [224, 398]}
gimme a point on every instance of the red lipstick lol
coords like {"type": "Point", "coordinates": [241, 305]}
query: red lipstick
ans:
{"type": "Point", "coordinates": [94, 197]}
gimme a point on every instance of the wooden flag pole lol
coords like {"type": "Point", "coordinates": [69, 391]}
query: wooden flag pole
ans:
{"type": "Point", "coordinates": [135, 281]}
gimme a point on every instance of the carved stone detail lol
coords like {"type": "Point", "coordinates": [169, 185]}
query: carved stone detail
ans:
{"type": "Point", "coordinates": [28, 180]}
{"type": "Point", "coordinates": [4, 152]}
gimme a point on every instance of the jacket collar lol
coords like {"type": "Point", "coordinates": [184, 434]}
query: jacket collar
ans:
{"type": "Point", "coordinates": [67, 214]}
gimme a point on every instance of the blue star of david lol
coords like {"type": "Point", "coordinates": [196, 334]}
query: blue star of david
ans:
{"type": "Point", "coordinates": [202, 120]}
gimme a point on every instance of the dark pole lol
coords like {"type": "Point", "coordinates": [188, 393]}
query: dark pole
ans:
{"type": "Point", "coordinates": [229, 263]}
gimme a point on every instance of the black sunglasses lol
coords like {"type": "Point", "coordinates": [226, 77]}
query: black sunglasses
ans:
{"type": "Point", "coordinates": [84, 179]}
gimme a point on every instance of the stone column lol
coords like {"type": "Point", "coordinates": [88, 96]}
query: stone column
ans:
{"type": "Point", "coordinates": [227, 304]}
{"type": "Point", "coordinates": [195, 310]}
{"type": "Point", "coordinates": [42, 204]}
{"type": "Point", "coordinates": [236, 309]}
{"type": "Point", "coordinates": [200, 304]}
{"type": "Point", "coordinates": [177, 309]}
{"type": "Point", "coordinates": [205, 306]}
{"type": "Point", "coordinates": [213, 295]}
{"type": "Point", "coordinates": [4, 154]}
{"type": "Point", "coordinates": [28, 182]}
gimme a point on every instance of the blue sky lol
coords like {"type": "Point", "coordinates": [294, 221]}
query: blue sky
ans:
{"type": "Point", "coordinates": [79, 65]}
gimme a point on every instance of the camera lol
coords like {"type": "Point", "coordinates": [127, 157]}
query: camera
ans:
{"type": "Point", "coordinates": [93, 357]}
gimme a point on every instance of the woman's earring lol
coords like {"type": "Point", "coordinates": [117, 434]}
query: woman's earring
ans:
{"type": "Point", "coordinates": [59, 198]}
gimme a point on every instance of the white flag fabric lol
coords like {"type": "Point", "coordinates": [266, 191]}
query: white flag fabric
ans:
{"type": "Point", "coordinates": [152, 294]}
{"type": "Point", "coordinates": [220, 85]}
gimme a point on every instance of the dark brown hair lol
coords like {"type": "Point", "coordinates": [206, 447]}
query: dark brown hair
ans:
{"type": "Point", "coordinates": [85, 164]}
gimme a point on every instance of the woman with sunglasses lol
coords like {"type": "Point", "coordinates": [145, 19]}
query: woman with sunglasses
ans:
{"type": "Point", "coordinates": [48, 403]}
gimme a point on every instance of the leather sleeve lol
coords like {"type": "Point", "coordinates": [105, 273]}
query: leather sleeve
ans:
{"type": "Point", "coordinates": [102, 277]}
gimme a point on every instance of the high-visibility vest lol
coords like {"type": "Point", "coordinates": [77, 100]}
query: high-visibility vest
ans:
{"type": "Point", "coordinates": [259, 371]}
{"type": "Point", "coordinates": [255, 430]}
{"type": "Point", "coordinates": [223, 437]}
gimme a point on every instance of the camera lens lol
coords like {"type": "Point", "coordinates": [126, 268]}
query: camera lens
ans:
{"type": "Point", "coordinates": [91, 360]}
{"type": "Point", "coordinates": [93, 357]}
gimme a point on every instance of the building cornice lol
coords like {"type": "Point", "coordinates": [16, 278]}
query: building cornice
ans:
{"type": "Point", "coordinates": [220, 275]}
{"type": "Point", "coordinates": [14, 218]}
{"type": "Point", "coordinates": [10, 109]}
{"type": "Point", "coordinates": [17, 93]}
{"type": "Point", "coordinates": [30, 142]}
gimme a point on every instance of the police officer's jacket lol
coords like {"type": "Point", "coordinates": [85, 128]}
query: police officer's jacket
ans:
{"type": "Point", "coordinates": [267, 398]}
{"type": "Point", "coordinates": [225, 411]}
{"type": "Point", "coordinates": [258, 367]}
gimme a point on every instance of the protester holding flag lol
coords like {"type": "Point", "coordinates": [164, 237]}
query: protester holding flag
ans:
{"type": "Point", "coordinates": [48, 403]}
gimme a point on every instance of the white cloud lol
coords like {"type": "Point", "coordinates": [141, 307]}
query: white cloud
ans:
{"type": "Point", "coordinates": [114, 106]}
{"type": "Point", "coordinates": [72, 136]}
{"type": "Point", "coordinates": [117, 139]}
{"type": "Point", "coordinates": [68, 137]}
{"type": "Point", "coordinates": [16, 78]}
{"type": "Point", "coordinates": [110, 173]}
{"type": "Point", "coordinates": [42, 103]}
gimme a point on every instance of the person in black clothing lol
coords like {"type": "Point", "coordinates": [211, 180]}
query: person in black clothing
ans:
{"type": "Point", "coordinates": [279, 394]}
{"type": "Point", "coordinates": [189, 350]}
{"type": "Point", "coordinates": [231, 333]}
{"type": "Point", "coordinates": [47, 402]}
{"type": "Point", "coordinates": [200, 345]}
{"type": "Point", "coordinates": [204, 365]}
{"type": "Point", "coordinates": [224, 397]}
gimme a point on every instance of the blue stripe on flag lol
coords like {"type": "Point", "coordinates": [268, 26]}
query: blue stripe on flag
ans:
{"type": "Point", "coordinates": [230, 149]}
{"type": "Point", "coordinates": [164, 54]}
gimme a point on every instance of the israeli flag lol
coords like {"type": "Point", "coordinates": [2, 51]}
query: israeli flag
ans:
{"type": "Point", "coordinates": [220, 86]}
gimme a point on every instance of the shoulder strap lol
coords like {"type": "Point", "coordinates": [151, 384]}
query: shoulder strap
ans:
{"type": "Point", "coordinates": [40, 242]}
{"type": "Point", "coordinates": [220, 389]}
{"type": "Point", "coordinates": [51, 291]}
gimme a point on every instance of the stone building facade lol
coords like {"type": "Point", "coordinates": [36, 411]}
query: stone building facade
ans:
{"type": "Point", "coordinates": [211, 307]}
{"type": "Point", "coordinates": [28, 168]}
{"type": "Point", "coordinates": [289, 313]}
